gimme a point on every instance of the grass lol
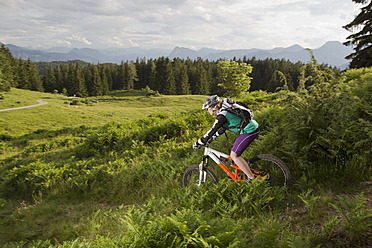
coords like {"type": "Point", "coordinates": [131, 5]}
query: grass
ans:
{"type": "Point", "coordinates": [65, 117]}
{"type": "Point", "coordinates": [18, 98]}
{"type": "Point", "coordinates": [119, 106]}
{"type": "Point", "coordinates": [129, 189]}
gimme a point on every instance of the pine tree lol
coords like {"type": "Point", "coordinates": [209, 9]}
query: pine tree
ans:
{"type": "Point", "coordinates": [2, 88]}
{"type": "Point", "coordinates": [36, 83]}
{"type": "Point", "coordinates": [7, 68]}
{"type": "Point", "coordinates": [122, 79]}
{"type": "Point", "coordinates": [88, 77]}
{"type": "Point", "coordinates": [132, 76]}
{"type": "Point", "coordinates": [97, 87]}
{"type": "Point", "coordinates": [192, 74]}
{"type": "Point", "coordinates": [79, 86]}
{"type": "Point", "coordinates": [152, 78]}
{"type": "Point", "coordinates": [70, 80]}
{"type": "Point", "coordinates": [202, 86]}
{"type": "Point", "coordinates": [164, 78]}
{"type": "Point", "coordinates": [170, 83]}
{"type": "Point", "coordinates": [109, 74]}
{"type": "Point", "coordinates": [362, 39]}
{"type": "Point", "coordinates": [104, 81]}
{"type": "Point", "coordinates": [143, 73]}
{"type": "Point", "coordinates": [181, 78]}
{"type": "Point", "coordinates": [22, 75]}
{"type": "Point", "coordinates": [49, 80]}
{"type": "Point", "coordinates": [59, 78]}
{"type": "Point", "coordinates": [159, 76]}
{"type": "Point", "coordinates": [5, 84]}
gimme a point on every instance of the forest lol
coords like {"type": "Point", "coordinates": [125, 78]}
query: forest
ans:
{"type": "Point", "coordinates": [162, 75]}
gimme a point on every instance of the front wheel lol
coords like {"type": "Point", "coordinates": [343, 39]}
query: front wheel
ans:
{"type": "Point", "coordinates": [194, 178]}
{"type": "Point", "coordinates": [272, 168]}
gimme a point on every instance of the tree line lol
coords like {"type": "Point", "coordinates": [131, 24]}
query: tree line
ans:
{"type": "Point", "coordinates": [18, 73]}
{"type": "Point", "coordinates": [166, 76]}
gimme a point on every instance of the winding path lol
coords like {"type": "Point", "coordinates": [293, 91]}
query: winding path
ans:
{"type": "Point", "coordinates": [40, 102]}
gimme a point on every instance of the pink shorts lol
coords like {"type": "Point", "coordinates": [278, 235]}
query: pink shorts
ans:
{"type": "Point", "coordinates": [243, 141]}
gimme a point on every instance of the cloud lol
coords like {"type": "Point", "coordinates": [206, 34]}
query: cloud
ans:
{"type": "Point", "coordinates": [167, 23]}
{"type": "Point", "coordinates": [80, 39]}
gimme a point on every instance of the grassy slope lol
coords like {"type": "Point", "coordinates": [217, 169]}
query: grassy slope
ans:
{"type": "Point", "coordinates": [117, 107]}
{"type": "Point", "coordinates": [46, 218]}
{"type": "Point", "coordinates": [29, 127]}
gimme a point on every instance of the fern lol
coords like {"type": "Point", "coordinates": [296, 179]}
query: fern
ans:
{"type": "Point", "coordinates": [356, 217]}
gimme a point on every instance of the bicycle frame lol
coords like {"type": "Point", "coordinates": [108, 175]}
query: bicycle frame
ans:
{"type": "Point", "coordinates": [215, 156]}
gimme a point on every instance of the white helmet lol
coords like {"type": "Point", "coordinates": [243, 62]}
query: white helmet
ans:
{"type": "Point", "coordinates": [211, 101]}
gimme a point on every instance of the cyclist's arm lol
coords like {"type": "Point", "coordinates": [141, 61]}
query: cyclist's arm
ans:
{"type": "Point", "coordinates": [216, 129]}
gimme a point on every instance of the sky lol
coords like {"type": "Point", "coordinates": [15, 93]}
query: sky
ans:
{"type": "Point", "coordinates": [165, 24]}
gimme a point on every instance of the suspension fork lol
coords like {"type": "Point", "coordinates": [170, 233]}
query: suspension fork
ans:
{"type": "Point", "coordinates": [202, 172]}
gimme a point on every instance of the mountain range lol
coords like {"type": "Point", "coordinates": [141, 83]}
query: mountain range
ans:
{"type": "Point", "coordinates": [332, 53]}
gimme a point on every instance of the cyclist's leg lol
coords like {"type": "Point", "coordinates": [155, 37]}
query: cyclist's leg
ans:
{"type": "Point", "coordinates": [240, 145]}
{"type": "Point", "coordinates": [242, 164]}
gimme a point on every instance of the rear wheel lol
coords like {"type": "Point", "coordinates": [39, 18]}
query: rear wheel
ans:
{"type": "Point", "coordinates": [274, 170]}
{"type": "Point", "coordinates": [193, 178]}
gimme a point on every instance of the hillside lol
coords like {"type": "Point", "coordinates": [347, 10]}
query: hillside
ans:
{"type": "Point", "coordinates": [73, 112]}
{"type": "Point", "coordinates": [91, 179]}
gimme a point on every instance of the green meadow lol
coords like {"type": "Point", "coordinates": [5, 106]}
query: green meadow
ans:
{"type": "Point", "coordinates": [64, 112]}
{"type": "Point", "coordinates": [107, 171]}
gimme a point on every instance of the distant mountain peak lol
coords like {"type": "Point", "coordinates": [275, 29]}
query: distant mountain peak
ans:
{"type": "Point", "coordinates": [332, 53]}
{"type": "Point", "coordinates": [295, 48]}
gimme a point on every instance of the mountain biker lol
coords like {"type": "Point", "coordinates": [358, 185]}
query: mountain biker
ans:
{"type": "Point", "coordinates": [224, 120]}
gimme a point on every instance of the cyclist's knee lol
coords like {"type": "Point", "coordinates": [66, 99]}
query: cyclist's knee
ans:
{"type": "Point", "coordinates": [233, 155]}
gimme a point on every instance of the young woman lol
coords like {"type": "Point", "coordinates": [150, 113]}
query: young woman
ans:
{"type": "Point", "coordinates": [227, 120]}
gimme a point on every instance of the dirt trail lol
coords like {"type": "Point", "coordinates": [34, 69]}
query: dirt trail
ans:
{"type": "Point", "coordinates": [40, 102]}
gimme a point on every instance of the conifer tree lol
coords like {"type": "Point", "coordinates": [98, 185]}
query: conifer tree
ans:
{"type": "Point", "coordinates": [70, 84]}
{"type": "Point", "coordinates": [192, 74]}
{"type": "Point", "coordinates": [164, 78]}
{"type": "Point", "coordinates": [170, 83]}
{"type": "Point", "coordinates": [108, 71]}
{"type": "Point", "coordinates": [104, 81]}
{"type": "Point", "coordinates": [143, 72]}
{"type": "Point", "coordinates": [97, 87]}
{"type": "Point", "coordinates": [49, 80]}
{"type": "Point", "coordinates": [2, 88]}
{"type": "Point", "coordinates": [5, 84]}
{"type": "Point", "coordinates": [362, 39]}
{"type": "Point", "coordinates": [132, 76]}
{"type": "Point", "coordinates": [152, 78]}
{"type": "Point", "coordinates": [79, 86]}
{"type": "Point", "coordinates": [180, 75]}
{"type": "Point", "coordinates": [36, 83]}
{"type": "Point", "coordinates": [22, 75]}
{"type": "Point", "coordinates": [7, 68]}
{"type": "Point", "coordinates": [122, 81]}
{"type": "Point", "coordinates": [88, 77]}
{"type": "Point", "coordinates": [159, 76]}
{"type": "Point", "coordinates": [59, 78]}
{"type": "Point", "coordinates": [202, 86]}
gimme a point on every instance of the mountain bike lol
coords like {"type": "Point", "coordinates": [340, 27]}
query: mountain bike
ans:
{"type": "Point", "coordinates": [264, 166]}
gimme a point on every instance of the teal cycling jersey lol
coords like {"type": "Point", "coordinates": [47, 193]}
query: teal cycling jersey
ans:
{"type": "Point", "coordinates": [234, 120]}
{"type": "Point", "coordinates": [225, 120]}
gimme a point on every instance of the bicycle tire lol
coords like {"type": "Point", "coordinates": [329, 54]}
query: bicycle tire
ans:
{"type": "Point", "coordinates": [191, 175]}
{"type": "Point", "coordinates": [270, 164]}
